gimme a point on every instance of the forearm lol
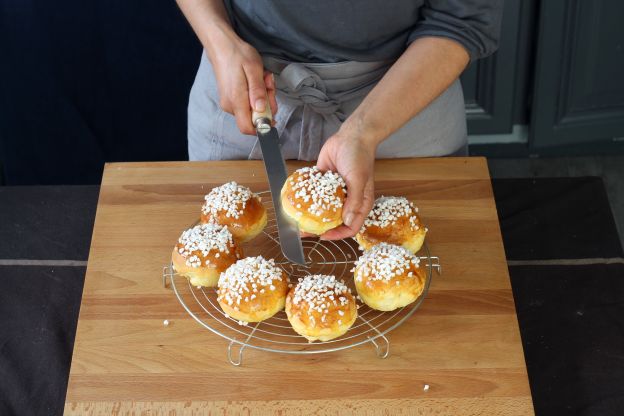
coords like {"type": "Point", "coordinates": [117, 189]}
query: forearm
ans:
{"type": "Point", "coordinates": [210, 22]}
{"type": "Point", "coordinates": [425, 70]}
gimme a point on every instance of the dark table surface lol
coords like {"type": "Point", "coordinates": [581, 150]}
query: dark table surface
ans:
{"type": "Point", "coordinates": [565, 262]}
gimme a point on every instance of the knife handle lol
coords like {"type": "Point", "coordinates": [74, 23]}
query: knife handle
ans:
{"type": "Point", "coordinates": [262, 120]}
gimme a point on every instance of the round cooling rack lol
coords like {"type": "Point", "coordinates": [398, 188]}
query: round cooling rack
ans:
{"type": "Point", "coordinates": [276, 334]}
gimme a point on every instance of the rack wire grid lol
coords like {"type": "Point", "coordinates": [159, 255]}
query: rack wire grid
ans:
{"type": "Point", "coordinates": [276, 334]}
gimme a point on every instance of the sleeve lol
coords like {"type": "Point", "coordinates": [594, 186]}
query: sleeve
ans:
{"type": "Point", "coordinates": [475, 24]}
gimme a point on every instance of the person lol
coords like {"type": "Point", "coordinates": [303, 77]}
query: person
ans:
{"type": "Point", "coordinates": [347, 82]}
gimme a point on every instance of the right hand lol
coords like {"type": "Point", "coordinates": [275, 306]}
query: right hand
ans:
{"type": "Point", "coordinates": [243, 83]}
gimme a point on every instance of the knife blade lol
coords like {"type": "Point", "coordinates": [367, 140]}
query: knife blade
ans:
{"type": "Point", "coordinates": [287, 229]}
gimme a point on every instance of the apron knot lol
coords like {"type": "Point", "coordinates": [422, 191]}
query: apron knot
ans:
{"type": "Point", "coordinates": [300, 83]}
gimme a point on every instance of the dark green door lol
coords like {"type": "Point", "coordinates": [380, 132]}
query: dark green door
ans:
{"type": "Point", "coordinates": [496, 88]}
{"type": "Point", "coordinates": [578, 90]}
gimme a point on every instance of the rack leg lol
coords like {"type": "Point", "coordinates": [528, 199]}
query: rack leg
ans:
{"type": "Point", "coordinates": [435, 263]}
{"type": "Point", "coordinates": [382, 346]}
{"type": "Point", "coordinates": [235, 355]}
{"type": "Point", "coordinates": [381, 343]}
{"type": "Point", "coordinates": [167, 272]}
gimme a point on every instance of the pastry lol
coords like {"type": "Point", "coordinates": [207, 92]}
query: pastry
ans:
{"type": "Point", "coordinates": [314, 199]}
{"type": "Point", "coordinates": [252, 289]}
{"type": "Point", "coordinates": [392, 220]}
{"type": "Point", "coordinates": [203, 252]}
{"type": "Point", "coordinates": [236, 207]}
{"type": "Point", "coordinates": [388, 277]}
{"type": "Point", "coordinates": [320, 307]}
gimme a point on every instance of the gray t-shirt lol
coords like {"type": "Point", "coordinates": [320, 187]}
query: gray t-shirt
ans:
{"type": "Point", "coordinates": [366, 30]}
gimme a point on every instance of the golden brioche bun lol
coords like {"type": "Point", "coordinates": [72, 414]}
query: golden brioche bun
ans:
{"type": "Point", "coordinates": [388, 277]}
{"type": "Point", "coordinates": [252, 289]}
{"type": "Point", "coordinates": [203, 252]}
{"type": "Point", "coordinates": [236, 207]}
{"type": "Point", "coordinates": [393, 220]}
{"type": "Point", "coordinates": [320, 308]}
{"type": "Point", "coordinates": [314, 199]}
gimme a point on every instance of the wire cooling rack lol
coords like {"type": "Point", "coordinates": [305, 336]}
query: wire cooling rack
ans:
{"type": "Point", "coordinates": [276, 334]}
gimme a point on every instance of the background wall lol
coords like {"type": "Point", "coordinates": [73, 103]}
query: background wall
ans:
{"type": "Point", "coordinates": [85, 82]}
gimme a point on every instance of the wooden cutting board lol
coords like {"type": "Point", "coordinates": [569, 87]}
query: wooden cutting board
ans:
{"type": "Point", "coordinates": [463, 342]}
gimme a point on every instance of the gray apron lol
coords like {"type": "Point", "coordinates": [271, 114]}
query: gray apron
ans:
{"type": "Point", "coordinates": [313, 101]}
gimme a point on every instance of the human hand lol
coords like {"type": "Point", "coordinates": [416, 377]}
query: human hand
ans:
{"type": "Point", "coordinates": [354, 158]}
{"type": "Point", "coordinates": [242, 82]}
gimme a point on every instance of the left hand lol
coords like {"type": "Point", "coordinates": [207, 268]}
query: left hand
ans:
{"type": "Point", "coordinates": [354, 159]}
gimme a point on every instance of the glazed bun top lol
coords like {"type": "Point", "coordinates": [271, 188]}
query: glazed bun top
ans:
{"type": "Point", "coordinates": [319, 290]}
{"type": "Point", "coordinates": [315, 192]}
{"type": "Point", "coordinates": [392, 210]}
{"type": "Point", "coordinates": [322, 300]}
{"type": "Point", "coordinates": [385, 263]}
{"type": "Point", "coordinates": [228, 200]}
{"type": "Point", "coordinates": [200, 244]}
{"type": "Point", "coordinates": [251, 278]}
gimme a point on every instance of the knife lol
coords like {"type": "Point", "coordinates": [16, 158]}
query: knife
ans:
{"type": "Point", "coordinates": [287, 229]}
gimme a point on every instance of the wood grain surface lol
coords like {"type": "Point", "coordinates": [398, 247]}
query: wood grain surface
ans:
{"type": "Point", "coordinates": [463, 342]}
